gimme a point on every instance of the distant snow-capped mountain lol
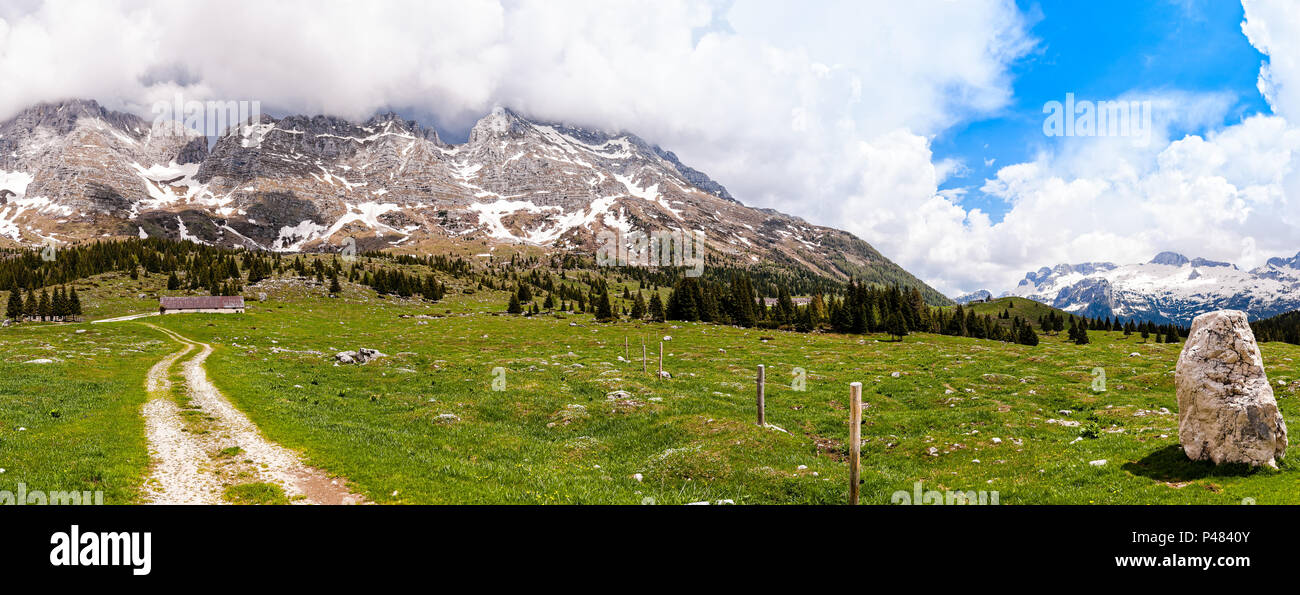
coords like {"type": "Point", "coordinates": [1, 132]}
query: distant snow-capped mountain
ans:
{"type": "Point", "coordinates": [974, 296]}
{"type": "Point", "coordinates": [1169, 288]}
{"type": "Point", "coordinates": [73, 170]}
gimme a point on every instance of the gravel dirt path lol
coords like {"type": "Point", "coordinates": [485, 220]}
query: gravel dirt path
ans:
{"type": "Point", "coordinates": [204, 444]}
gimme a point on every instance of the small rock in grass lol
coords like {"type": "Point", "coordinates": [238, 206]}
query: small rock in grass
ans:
{"type": "Point", "coordinates": [894, 375]}
{"type": "Point", "coordinates": [637, 476]}
{"type": "Point", "coordinates": [1098, 463]}
{"type": "Point", "coordinates": [997, 441]}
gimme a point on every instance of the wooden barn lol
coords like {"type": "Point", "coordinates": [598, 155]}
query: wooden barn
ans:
{"type": "Point", "coordinates": [204, 304]}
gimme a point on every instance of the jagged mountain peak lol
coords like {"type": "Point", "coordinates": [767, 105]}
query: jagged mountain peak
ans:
{"type": "Point", "coordinates": [1293, 262]}
{"type": "Point", "coordinates": [62, 117]}
{"type": "Point", "coordinates": [500, 122]}
{"type": "Point", "coordinates": [1170, 259]}
{"type": "Point", "coordinates": [394, 121]}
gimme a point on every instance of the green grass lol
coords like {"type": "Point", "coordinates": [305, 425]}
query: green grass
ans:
{"type": "Point", "coordinates": [1025, 308]}
{"type": "Point", "coordinates": [75, 424]}
{"type": "Point", "coordinates": [423, 424]}
{"type": "Point", "coordinates": [255, 493]}
{"type": "Point", "coordinates": [554, 437]}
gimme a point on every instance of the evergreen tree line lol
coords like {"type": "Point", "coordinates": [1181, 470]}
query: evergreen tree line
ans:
{"type": "Point", "coordinates": [1284, 327]}
{"type": "Point", "coordinates": [45, 307]}
{"type": "Point", "coordinates": [861, 308]}
{"type": "Point", "coordinates": [204, 266]}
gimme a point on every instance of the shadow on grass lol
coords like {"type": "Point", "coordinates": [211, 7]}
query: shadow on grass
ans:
{"type": "Point", "coordinates": [1172, 465]}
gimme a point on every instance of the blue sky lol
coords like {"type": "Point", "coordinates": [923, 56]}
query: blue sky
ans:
{"type": "Point", "coordinates": [1100, 50]}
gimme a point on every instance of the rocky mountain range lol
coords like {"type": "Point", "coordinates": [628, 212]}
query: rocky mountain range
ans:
{"type": "Point", "coordinates": [974, 296]}
{"type": "Point", "coordinates": [73, 171]}
{"type": "Point", "coordinates": [1170, 288]}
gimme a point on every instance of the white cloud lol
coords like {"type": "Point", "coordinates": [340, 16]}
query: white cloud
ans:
{"type": "Point", "coordinates": [789, 105]}
{"type": "Point", "coordinates": [1271, 26]}
{"type": "Point", "coordinates": [821, 110]}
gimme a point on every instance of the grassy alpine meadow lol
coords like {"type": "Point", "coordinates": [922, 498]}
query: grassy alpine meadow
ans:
{"type": "Point", "coordinates": [474, 406]}
{"type": "Point", "coordinates": [471, 405]}
{"type": "Point", "coordinates": [70, 398]}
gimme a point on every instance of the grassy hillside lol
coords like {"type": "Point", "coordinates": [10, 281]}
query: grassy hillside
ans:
{"type": "Point", "coordinates": [578, 421]}
{"type": "Point", "coordinates": [1025, 308]}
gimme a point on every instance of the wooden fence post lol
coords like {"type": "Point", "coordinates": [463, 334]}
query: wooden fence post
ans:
{"type": "Point", "coordinates": [762, 378]}
{"type": "Point", "coordinates": [661, 361]}
{"type": "Point", "coordinates": [855, 440]}
{"type": "Point", "coordinates": [625, 353]}
{"type": "Point", "coordinates": [643, 358]}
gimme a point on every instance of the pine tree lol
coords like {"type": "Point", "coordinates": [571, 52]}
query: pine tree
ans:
{"type": "Point", "coordinates": [784, 306]}
{"type": "Point", "coordinates": [741, 301]}
{"type": "Point", "coordinates": [895, 326]}
{"type": "Point", "coordinates": [30, 307]}
{"type": "Point", "coordinates": [14, 309]}
{"type": "Point", "coordinates": [43, 308]}
{"type": "Point", "coordinates": [1027, 336]}
{"type": "Point", "coordinates": [74, 302]}
{"type": "Point", "coordinates": [515, 307]}
{"type": "Point", "coordinates": [173, 282]}
{"type": "Point", "coordinates": [682, 301]}
{"type": "Point", "coordinates": [604, 313]}
{"type": "Point", "coordinates": [656, 307]}
{"type": "Point", "coordinates": [1081, 335]}
{"type": "Point", "coordinates": [58, 305]}
{"type": "Point", "coordinates": [638, 307]}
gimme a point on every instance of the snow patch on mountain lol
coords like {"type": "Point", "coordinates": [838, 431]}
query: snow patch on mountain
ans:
{"type": "Point", "coordinates": [1169, 288]}
{"type": "Point", "coordinates": [292, 238]}
{"type": "Point", "coordinates": [15, 182]}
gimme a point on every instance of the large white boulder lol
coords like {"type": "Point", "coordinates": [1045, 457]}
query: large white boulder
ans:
{"type": "Point", "coordinates": [1226, 409]}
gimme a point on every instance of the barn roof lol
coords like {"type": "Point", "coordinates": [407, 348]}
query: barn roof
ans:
{"type": "Point", "coordinates": [202, 303]}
